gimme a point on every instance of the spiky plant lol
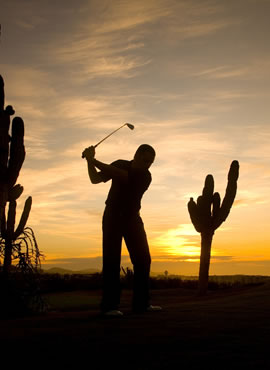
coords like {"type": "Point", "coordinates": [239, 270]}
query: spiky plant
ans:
{"type": "Point", "coordinates": [21, 290]}
{"type": "Point", "coordinates": [25, 250]}
{"type": "Point", "coordinates": [128, 277]}
{"type": "Point", "coordinates": [208, 214]}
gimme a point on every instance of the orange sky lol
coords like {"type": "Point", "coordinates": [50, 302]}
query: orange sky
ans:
{"type": "Point", "coordinates": [192, 76]}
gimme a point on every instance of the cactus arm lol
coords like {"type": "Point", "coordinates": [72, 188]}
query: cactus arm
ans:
{"type": "Point", "coordinates": [233, 171]}
{"type": "Point", "coordinates": [231, 188]}
{"type": "Point", "coordinates": [4, 130]}
{"type": "Point", "coordinates": [24, 217]}
{"type": "Point", "coordinates": [15, 192]}
{"type": "Point", "coordinates": [216, 205]}
{"type": "Point", "coordinates": [194, 216]}
{"type": "Point", "coordinates": [204, 202]}
{"type": "Point", "coordinates": [17, 151]}
{"type": "Point", "coordinates": [3, 224]}
{"type": "Point", "coordinates": [200, 202]}
{"type": "Point", "coordinates": [11, 219]}
{"type": "Point", "coordinates": [230, 194]}
{"type": "Point", "coordinates": [4, 146]}
{"type": "Point", "coordinates": [2, 94]}
{"type": "Point", "coordinates": [208, 189]}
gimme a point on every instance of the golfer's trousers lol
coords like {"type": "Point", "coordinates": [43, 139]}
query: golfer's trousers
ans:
{"type": "Point", "coordinates": [116, 225]}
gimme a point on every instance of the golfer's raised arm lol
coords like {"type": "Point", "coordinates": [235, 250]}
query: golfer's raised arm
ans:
{"type": "Point", "coordinates": [110, 170]}
{"type": "Point", "coordinates": [89, 154]}
{"type": "Point", "coordinates": [94, 175]}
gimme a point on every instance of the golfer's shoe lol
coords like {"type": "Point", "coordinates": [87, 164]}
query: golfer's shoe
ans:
{"type": "Point", "coordinates": [149, 308]}
{"type": "Point", "coordinates": [153, 308]}
{"type": "Point", "coordinates": [113, 313]}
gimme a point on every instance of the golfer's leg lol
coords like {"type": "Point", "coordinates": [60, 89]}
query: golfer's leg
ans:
{"type": "Point", "coordinates": [137, 245]}
{"type": "Point", "coordinates": [112, 239]}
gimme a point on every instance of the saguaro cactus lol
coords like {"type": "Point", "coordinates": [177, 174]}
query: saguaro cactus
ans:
{"type": "Point", "coordinates": [208, 214]}
{"type": "Point", "coordinates": [12, 155]}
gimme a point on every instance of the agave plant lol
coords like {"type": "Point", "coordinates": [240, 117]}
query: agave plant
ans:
{"type": "Point", "coordinates": [25, 251]}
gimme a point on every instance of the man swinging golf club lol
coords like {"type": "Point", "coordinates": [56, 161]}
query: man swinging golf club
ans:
{"type": "Point", "coordinates": [121, 219]}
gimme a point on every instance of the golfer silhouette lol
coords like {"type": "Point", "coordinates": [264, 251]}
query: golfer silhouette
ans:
{"type": "Point", "coordinates": [121, 219]}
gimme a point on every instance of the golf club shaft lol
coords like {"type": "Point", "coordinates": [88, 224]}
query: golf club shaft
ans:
{"type": "Point", "coordinates": [125, 124]}
{"type": "Point", "coordinates": [109, 135]}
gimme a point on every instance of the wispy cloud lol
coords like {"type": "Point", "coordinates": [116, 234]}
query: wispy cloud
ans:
{"type": "Point", "coordinates": [125, 15]}
{"type": "Point", "coordinates": [27, 84]}
{"type": "Point", "coordinates": [97, 46]}
{"type": "Point", "coordinates": [194, 258]}
{"type": "Point", "coordinates": [223, 72]}
{"type": "Point", "coordinates": [251, 69]}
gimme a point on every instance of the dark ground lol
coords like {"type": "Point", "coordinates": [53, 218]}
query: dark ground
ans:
{"type": "Point", "coordinates": [227, 329]}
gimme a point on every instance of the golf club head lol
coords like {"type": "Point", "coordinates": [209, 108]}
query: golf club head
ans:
{"type": "Point", "coordinates": [129, 125]}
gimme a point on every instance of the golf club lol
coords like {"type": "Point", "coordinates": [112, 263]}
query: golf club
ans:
{"type": "Point", "coordinates": [129, 125]}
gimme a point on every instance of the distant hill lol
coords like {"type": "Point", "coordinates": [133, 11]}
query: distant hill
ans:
{"type": "Point", "coordinates": [61, 271]}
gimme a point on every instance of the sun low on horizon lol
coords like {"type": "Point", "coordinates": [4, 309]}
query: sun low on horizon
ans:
{"type": "Point", "coordinates": [191, 76]}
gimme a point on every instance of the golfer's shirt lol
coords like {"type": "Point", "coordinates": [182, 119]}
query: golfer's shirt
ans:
{"type": "Point", "coordinates": [126, 196]}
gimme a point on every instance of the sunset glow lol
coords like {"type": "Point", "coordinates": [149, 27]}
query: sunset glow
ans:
{"type": "Point", "coordinates": [192, 76]}
{"type": "Point", "coordinates": [175, 242]}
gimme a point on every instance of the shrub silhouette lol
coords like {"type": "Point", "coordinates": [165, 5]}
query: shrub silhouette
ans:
{"type": "Point", "coordinates": [208, 214]}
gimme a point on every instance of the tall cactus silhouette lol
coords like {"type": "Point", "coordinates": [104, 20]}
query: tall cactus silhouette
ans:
{"type": "Point", "coordinates": [12, 155]}
{"type": "Point", "coordinates": [208, 214]}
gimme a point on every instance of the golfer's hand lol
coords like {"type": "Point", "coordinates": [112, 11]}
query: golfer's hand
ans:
{"type": "Point", "coordinates": [89, 153]}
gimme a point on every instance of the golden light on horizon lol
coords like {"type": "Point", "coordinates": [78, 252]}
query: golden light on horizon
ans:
{"type": "Point", "coordinates": [178, 242]}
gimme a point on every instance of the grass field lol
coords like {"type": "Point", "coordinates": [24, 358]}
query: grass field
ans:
{"type": "Point", "coordinates": [227, 329]}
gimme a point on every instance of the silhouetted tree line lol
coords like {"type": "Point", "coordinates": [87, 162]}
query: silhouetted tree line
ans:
{"type": "Point", "coordinates": [55, 282]}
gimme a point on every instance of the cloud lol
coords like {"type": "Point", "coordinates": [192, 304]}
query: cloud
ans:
{"type": "Point", "coordinates": [37, 148]}
{"type": "Point", "coordinates": [120, 16]}
{"type": "Point", "coordinates": [225, 265]}
{"type": "Point", "coordinates": [94, 113]}
{"type": "Point", "coordinates": [250, 202]}
{"type": "Point", "coordinates": [63, 201]}
{"type": "Point", "coordinates": [27, 84]}
{"type": "Point", "coordinates": [195, 258]}
{"type": "Point", "coordinates": [96, 262]}
{"type": "Point", "coordinates": [112, 40]}
{"type": "Point", "coordinates": [99, 56]}
{"type": "Point", "coordinates": [26, 15]}
{"type": "Point", "coordinates": [78, 263]}
{"type": "Point", "coordinates": [199, 29]}
{"type": "Point", "coordinates": [197, 19]}
{"type": "Point", "coordinates": [223, 72]}
{"type": "Point", "coordinates": [252, 69]}
{"type": "Point", "coordinates": [99, 49]}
